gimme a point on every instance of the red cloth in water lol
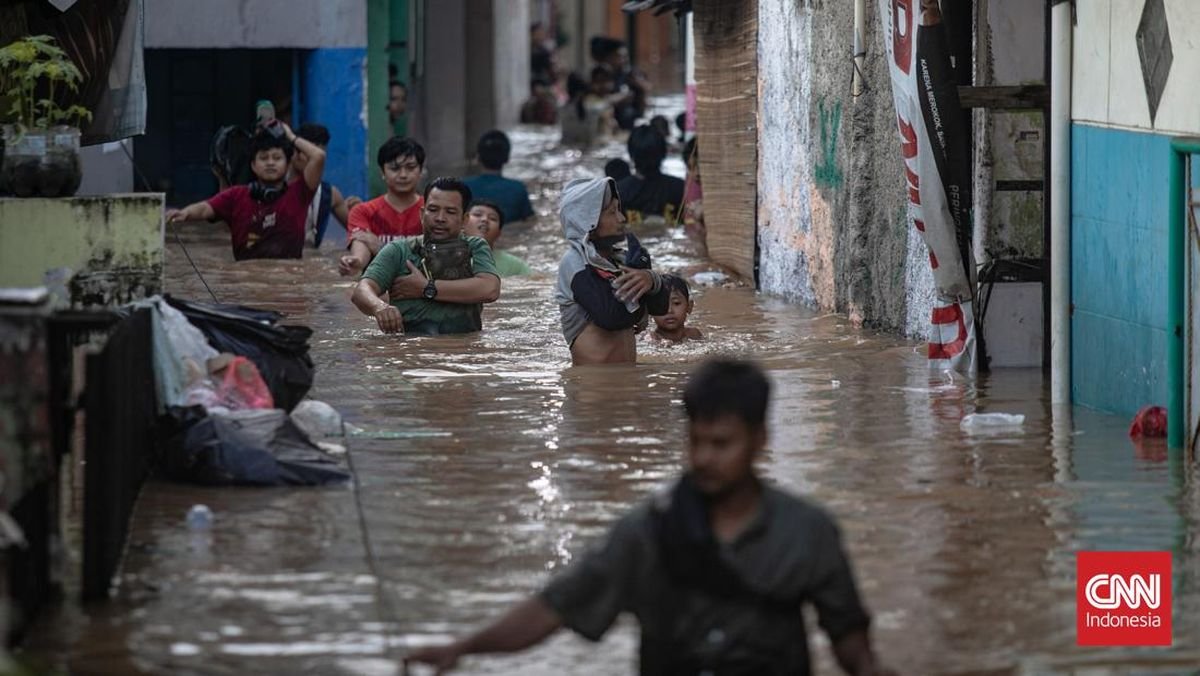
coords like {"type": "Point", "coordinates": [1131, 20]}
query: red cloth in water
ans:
{"type": "Point", "coordinates": [1151, 421]}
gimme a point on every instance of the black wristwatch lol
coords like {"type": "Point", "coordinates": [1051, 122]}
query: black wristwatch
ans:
{"type": "Point", "coordinates": [430, 291]}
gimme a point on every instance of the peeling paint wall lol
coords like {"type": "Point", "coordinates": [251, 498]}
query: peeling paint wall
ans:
{"type": "Point", "coordinates": [112, 245]}
{"type": "Point", "coordinates": [833, 228]}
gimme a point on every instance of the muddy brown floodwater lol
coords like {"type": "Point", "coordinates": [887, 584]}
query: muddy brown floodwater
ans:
{"type": "Point", "coordinates": [486, 464]}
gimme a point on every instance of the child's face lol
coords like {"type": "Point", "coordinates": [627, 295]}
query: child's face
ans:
{"type": "Point", "coordinates": [401, 174]}
{"type": "Point", "coordinates": [485, 222]}
{"type": "Point", "coordinates": [677, 313]}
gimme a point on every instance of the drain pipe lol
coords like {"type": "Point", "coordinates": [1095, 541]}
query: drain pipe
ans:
{"type": "Point", "coordinates": [860, 47]}
{"type": "Point", "coordinates": [1060, 203]}
{"type": "Point", "coordinates": [1181, 151]}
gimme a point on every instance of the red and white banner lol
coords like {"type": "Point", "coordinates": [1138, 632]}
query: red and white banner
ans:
{"type": "Point", "coordinates": [934, 142]}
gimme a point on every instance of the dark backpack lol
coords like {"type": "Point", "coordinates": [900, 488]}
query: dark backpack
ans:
{"type": "Point", "coordinates": [229, 155]}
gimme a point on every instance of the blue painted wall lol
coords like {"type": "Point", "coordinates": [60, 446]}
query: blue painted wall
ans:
{"type": "Point", "coordinates": [1119, 196]}
{"type": "Point", "coordinates": [333, 96]}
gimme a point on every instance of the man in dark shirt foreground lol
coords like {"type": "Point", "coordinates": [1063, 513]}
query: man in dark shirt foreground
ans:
{"type": "Point", "coordinates": [716, 569]}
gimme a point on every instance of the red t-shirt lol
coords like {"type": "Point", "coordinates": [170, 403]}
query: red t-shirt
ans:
{"type": "Point", "coordinates": [382, 220]}
{"type": "Point", "coordinates": [261, 229]}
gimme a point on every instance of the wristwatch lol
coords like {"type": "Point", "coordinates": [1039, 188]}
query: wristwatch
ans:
{"type": "Point", "coordinates": [430, 291]}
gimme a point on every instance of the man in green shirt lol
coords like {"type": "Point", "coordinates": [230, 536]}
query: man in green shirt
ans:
{"type": "Point", "coordinates": [436, 284]}
{"type": "Point", "coordinates": [486, 219]}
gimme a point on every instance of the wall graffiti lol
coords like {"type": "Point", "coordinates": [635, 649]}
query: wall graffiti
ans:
{"type": "Point", "coordinates": [827, 173]}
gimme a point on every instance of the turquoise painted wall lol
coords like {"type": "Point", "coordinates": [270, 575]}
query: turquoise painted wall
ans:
{"type": "Point", "coordinates": [333, 96]}
{"type": "Point", "coordinates": [1119, 195]}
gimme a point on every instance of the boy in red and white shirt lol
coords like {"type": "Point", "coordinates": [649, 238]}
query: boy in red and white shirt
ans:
{"type": "Point", "coordinates": [396, 213]}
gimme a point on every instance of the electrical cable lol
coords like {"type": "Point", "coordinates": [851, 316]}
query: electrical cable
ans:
{"type": "Point", "coordinates": [385, 604]}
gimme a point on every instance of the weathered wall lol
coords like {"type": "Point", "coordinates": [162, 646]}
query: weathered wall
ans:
{"type": "Point", "coordinates": [113, 245]}
{"type": "Point", "coordinates": [255, 23]}
{"type": "Point", "coordinates": [833, 230]}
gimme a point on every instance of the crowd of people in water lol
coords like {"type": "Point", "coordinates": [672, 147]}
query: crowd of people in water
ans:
{"type": "Point", "coordinates": [717, 567]}
{"type": "Point", "coordinates": [425, 257]}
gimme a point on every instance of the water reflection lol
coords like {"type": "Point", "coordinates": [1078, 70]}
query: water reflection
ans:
{"type": "Point", "coordinates": [486, 464]}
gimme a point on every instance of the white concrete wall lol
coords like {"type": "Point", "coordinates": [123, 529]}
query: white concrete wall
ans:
{"type": "Point", "coordinates": [510, 26]}
{"type": "Point", "coordinates": [1107, 86]}
{"type": "Point", "coordinates": [303, 24]}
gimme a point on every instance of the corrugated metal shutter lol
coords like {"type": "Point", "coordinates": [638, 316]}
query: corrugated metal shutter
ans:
{"type": "Point", "coordinates": [726, 118]}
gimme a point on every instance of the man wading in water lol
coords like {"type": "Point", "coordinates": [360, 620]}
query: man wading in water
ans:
{"type": "Point", "coordinates": [605, 285]}
{"type": "Point", "coordinates": [717, 569]}
{"type": "Point", "coordinates": [436, 284]}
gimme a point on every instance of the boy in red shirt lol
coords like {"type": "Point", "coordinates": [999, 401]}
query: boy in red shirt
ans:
{"type": "Point", "coordinates": [396, 213]}
{"type": "Point", "coordinates": [266, 218]}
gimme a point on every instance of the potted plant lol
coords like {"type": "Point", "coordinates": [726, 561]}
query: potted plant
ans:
{"type": "Point", "coordinates": [41, 138]}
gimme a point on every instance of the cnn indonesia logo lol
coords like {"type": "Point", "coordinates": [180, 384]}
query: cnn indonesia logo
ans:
{"type": "Point", "coordinates": [1123, 598]}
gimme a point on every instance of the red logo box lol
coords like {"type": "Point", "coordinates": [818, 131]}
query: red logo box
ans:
{"type": "Point", "coordinates": [1123, 598]}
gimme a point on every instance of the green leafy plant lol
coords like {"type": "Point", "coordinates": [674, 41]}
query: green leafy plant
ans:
{"type": "Point", "coordinates": [24, 66]}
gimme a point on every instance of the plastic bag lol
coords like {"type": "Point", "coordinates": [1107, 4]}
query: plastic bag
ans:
{"type": "Point", "coordinates": [279, 352]}
{"type": "Point", "coordinates": [1151, 421]}
{"type": "Point", "coordinates": [252, 447]}
{"type": "Point", "coordinates": [241, 387]}
{"type": "Point", "coordinates": [318, 419]}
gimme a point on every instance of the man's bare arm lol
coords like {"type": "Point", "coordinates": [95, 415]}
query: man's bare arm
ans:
{"type": "Point", "coordinates": [482, 288]}
{"type": "Point", "coordinates": [199, 211]}
{"type": "Point", "coordinates": [853, 652]}
{"type": "Point", "coordinates": [524, 625]}
{"type": "Point", "coordinates": [367, 298]}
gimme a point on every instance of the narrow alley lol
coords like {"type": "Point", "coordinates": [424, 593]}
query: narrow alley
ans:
{"type": "Point", "coordinates": [485, 464]}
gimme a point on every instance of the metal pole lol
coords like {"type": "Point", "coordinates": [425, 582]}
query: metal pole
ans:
{"type": "Point", "coordinates": [1060, 204]}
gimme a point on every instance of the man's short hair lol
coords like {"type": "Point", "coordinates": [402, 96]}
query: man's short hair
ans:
{"type": "Point", "coordinates": [264, 140]}
{"type": "Point", "coordinates": [493, 149]}
{"type": "Point", "coordinates": [477, 202]}
{"type": "Point", "coordinates": [647, 148]}
{"type": "Point", "coordinates": [400, 146]}
{"type": "Point", "coordinates": [450, 184]}
{"type": "Point", "coordinates": [724, 387]}
{"type": "Point", "coordinates": [314, 133]}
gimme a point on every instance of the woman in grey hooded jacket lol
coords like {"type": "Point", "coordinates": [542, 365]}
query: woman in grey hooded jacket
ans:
{"type": "Point", "coordinates": [605, 285]}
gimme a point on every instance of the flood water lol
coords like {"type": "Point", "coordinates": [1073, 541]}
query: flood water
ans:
{"type": "Point", "coordinates": [486, 464]}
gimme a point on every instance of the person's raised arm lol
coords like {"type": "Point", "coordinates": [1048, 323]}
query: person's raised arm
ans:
{"type": "Point", "coordinates": [316, 157]}
{"type": "Point", "coordinates": [199, 211]}
{"type": "Point", "coordinates": [524, 625]}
